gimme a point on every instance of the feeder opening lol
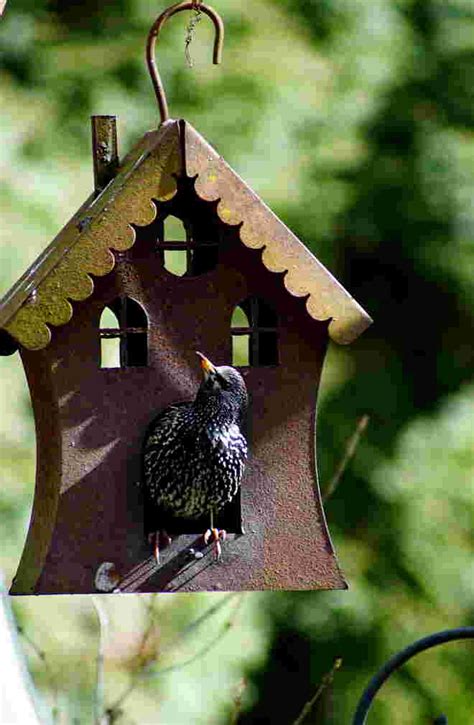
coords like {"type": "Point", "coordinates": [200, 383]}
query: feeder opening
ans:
{"type": "Point", "coordinates": [123, 334]}
{"type": "Point", "coordinates": [254, 334]}
{"type": "Point", "coordinates": [186, 248]}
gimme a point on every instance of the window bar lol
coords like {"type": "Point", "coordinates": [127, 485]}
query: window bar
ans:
{"type": "Point", "coordinates": [108, 332]}
{"type": "Point", "coordinates": [249, 330]}
{"type": "Point", "coordinates": [160, 238]}
{"type": "Point", "coordinates": [175, 245]}
{"type": "Point", "coordinates": [123, 329]}
{"type": "Point", "coordinates": [189, 241]}
{"type": "Point", "coordinates": [254, 357]}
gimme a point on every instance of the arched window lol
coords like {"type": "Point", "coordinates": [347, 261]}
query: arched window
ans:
{"type": "Point", "coordinates": [254, 333]}
{"type": "Point", "coordinates": [182, 251]}
{"type": "Point", "coordinates": [123, 334]}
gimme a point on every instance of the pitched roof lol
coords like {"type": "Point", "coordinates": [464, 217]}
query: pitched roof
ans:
{"type": "Point", "coordinates": [85, 246]}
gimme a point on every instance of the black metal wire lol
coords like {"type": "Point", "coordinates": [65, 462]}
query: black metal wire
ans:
{"type": "Point", "coordinates": [399, 659]}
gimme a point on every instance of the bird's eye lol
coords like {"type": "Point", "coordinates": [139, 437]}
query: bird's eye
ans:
{"type": "Point", "coordinates": [222, 382]}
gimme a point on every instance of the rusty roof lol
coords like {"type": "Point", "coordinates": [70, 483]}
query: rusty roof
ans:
{"type": "Point", "coordinates": [85, 246]}
{"type": "Point", "coordinates": [282, 250]}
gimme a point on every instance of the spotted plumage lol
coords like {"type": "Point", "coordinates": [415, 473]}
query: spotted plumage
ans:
{"type": "Point", "coordinates": [194, 453]}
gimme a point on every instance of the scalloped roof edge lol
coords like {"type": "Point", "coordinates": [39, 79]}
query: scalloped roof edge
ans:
{"type": "Point", "coordinates": [84, 247]}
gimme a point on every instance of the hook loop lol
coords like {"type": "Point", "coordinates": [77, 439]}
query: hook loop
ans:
{"type": "Point", "coordinates": [153, 37]}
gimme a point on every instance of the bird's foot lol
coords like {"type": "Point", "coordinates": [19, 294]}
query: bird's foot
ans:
{"type": "Point", "coordinates": [215, 536]}
{"type": "Point", "coordinates": [158, 540]}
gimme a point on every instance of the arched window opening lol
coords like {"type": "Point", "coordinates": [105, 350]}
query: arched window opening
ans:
{"type": "Point", "coordinates": [175, 260]}
{"type": "Point", "coordinates": [240, 340]}
{"type": "Point", "coordinates": [123, 334]}
{"type": "Point", "coordinates": [109, 346]}
{"type": "Point", "coordinates": [254, 333]}
{"type": "Point", "coordinates": [174, 229]}
{"type": "Point", "coordinates": [183, 251]}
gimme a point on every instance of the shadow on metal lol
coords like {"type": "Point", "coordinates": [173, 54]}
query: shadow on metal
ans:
{"type": "Point", "coordinates": [399, 659]}
{"type": "Point", "coordinates": [188, 562]}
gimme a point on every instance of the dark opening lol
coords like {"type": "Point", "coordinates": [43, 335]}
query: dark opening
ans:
{"type": "Point", "coordinates": [254, 330]}
{"type": "Point", "coordinates": [184, 249]}
{"type": "Point", "coordinates": [8, 345]}
{"type": "Point", "coordinates": [123, 334]}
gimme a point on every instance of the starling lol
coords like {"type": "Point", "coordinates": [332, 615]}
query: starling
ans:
{"type": "Point", "coordinates": [194, 454]}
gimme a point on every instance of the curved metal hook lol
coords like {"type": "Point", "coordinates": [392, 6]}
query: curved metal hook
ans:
{"type": "Point", "coordinates": [399, 659]}
{"type": "Point", "coordinates": [153, 36]}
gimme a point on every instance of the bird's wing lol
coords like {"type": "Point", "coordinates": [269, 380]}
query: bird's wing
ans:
{"type": "Point", "coordinates": [160, 433]}
{"type": "Point", "coordinates": [160, 444]}
{"type": "Point", "coordinates": [155, 448]}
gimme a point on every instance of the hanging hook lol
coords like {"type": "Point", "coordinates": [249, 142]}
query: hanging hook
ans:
{"type": "Point", "coordinates": [153, 36]}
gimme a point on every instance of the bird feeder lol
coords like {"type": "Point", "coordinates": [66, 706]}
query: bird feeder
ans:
{"type": "Point", "coordinates": [172, 253]}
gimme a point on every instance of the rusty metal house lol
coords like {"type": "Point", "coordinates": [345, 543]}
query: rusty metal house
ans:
{"type": "Point", "coordinates": [107, 331]}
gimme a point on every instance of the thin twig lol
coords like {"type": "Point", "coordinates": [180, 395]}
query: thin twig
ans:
{"type": "Point", "coordinates": [103, 621]}
{"type": "Point", "coordinates": [325, 682]}
{"type": "Point", "coordinates": [114, 710]}
{"type": "Point", "coordinates": [226, 626]}
{"type": "Point", "coordinates": [237, 701]}
{"type": "Point", "coordinates": [351, 447]}
{"type": "Point", "coordinates": [148, 631]}
{"type": "Point", "coordinates": [147, 671]}
{"type": "Point", "coordinates": [41, 654]}
{"type": "Point", "coordinates": [195, 624]}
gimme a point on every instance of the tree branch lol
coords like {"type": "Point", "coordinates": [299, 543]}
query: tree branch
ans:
{"type": "Point", "coordinates": [325, 682]}
{"type": "Point", "coordinates": [351, 447]}
{"type": "Point", "coordinates": [41, 655]}
{"type": "Point", "coordinates": [103, 622]}
{"type": "Point", "coordinates": [146, 670]}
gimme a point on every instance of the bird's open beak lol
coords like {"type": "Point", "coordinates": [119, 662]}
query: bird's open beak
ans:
{"type": "Point", "coordinates": [207, 366]}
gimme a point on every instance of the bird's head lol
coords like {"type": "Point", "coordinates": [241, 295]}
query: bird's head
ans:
{"type": "Point", "coordinates": [222, 389]}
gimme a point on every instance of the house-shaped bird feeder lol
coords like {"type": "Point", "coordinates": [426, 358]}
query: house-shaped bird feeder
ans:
{"type": "Point", "coordinates": [172, 253]}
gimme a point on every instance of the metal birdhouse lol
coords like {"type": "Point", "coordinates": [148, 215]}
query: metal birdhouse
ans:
{"type": "Point", "coordinates": [172, 253]}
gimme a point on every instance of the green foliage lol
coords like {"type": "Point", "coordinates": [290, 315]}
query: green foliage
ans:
{"type": "Point", "coordinates": [354, 121]}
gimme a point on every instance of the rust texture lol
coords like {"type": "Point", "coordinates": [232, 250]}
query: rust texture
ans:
{"type": "Point", "coordinates": [104, 150]}
{"type": "Point", "coordinates": [283, 252]}
{"type": "Point", "coordinates": [42, 297]}
{"type": "Point", "coordinates": [49, 455]}
{"type": "Point", "coordinates": [101, 416]}
{"type": "Point", "coordinates": [90, 421]}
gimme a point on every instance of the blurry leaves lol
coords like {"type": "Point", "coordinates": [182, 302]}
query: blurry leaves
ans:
{"type": "Point", "coordinates": [454, 88]}
{"type": "Point", "coordinates": [92, 17]}
{"type": "Point", "coordinates": [128, 74]}
{"type": "Point", "coordinates": [238, 27]}
{"type": "Point", "coordinates": [74, 102]}
{"type": "Point", "coordinates": [433, 475]}
{"type": "Point", "coordinates": [17, 39]}
{"type": "Point", "coordinates": [319, 17]}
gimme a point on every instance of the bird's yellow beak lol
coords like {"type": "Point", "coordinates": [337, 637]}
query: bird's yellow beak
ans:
{"type": "Point", "coordinates": [206, 365]}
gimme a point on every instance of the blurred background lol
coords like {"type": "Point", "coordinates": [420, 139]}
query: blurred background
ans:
{"type": "Point", "coordinates": [354, 121]}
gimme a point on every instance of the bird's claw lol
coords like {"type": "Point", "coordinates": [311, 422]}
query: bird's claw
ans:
{"type": "Point", "coordinates": [158, 540]}
{"type": "Point", "coordinates": [216, 536]}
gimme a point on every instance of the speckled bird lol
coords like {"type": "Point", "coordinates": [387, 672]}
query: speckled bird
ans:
{"type": "Point", "coordinates": [194, 455]}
